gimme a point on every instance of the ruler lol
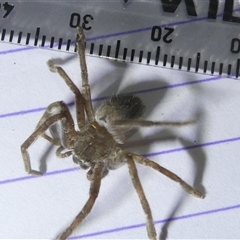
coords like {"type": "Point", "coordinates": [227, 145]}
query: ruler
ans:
{"type": "Point", "coordinates": [192, 35]}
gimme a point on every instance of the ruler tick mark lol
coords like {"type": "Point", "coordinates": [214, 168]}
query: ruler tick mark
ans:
{"type": "Point", "coordinates": [165, 59]}
{"type": "Point", "coordinates": [220, 68]}
{"type": "Point", "coordinates": [91, 48]}
{"type": "Point", "coordinates": [43, 41]}
{"type": "Point", "coordinates": [172, 61]}
{"type": "Point", "coordinates": [140, 56]}
{"type": "Point", "coordinates": [36, 36]}
{"type": "Point", "coordinates": [157, 55]}
{"type": "Point", "coordinates": [100, 50]}
{"type": "Point", "coordinates": [237, 68]}
{"type": "Point", "coordinates": [205, 66]}
{"type": "Point", "coordinates": [11, 36]}
{"type": "Point", "coordinates": [213, 68]}
{"type": "Point", "coordinates": [124, 53]}
{"type": "Point", "coordinates": [3, 34]}
{"type": "Point", "coordinates": [117, 48]}
{"type": "Point", "coordinates": [148, 57]}
{"type": "Point", "coordinates": [180, 63]}
{"type": "Point", "coordinates": [132, 55]}
{"type": "Point", "coordinates": [68, 44]}
{"type": "Point", "coordinates": [229, 69]}
{"type": "Point", "coordinates": [51, 42]}
{"type": "Point", "coordinates": [189, 64]}
{"type": "Point", "coordinates": [108, 50]}
{"type": "Point", "coordinates": [19, 37]}
{"type": "Point", "coordinates": [28, 38]}
{"type": "Point", "coordinates": [60, 43]}
{"type": "Point", "coordinates": [197, 62]}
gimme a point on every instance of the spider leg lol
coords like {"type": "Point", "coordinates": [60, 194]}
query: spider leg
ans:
{"type": "Point", "coordinates": [95, 184]}
{"type": "Point", "coordinates": [84, 73]}
{"type": "Point", "coordinates": [90, 173]}
{"type": "Point", "coordinates": [144, 161]}
{"type": "Point", "coordinates": [48, 112]}
{"type": "Point", "coordinates": [61, 154]}
{"type": "Point", "coordinates": [53, 109]}
{"type": "Point", "coordinates": [80, 101]}
{"type": "Point", "coordinates": [68, 132]}
{"type": "Point", "coordinates": [145, 123]}
{"type": "Point", "coordinates": [145, 205]}
{"type": "Point", "coordinates": [50, 139]}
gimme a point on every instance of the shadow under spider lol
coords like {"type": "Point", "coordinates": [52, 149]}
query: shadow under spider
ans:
{"type": "Point", "coordinates": [44, 159]}
{"type": "Point", "coordinates": [197, 155]}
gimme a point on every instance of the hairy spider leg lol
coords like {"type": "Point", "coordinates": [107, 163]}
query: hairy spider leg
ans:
{"type": "Point", "coordinates": [68, 131]}
{"type": "Point", "coordinates": [131, 159]}
{"type": "Point", "coordinates": [80, 101]}
{"type": "Point", "coordinates": [146, 123]}
{"type": "Point", "coordinates": [95, 184]}
{"type": "Point", "coordinates": [147, 162]}
{"type": "Point", "coordinates": [86, 91]}
{"type": "Point", "coordinates": [143, 200]}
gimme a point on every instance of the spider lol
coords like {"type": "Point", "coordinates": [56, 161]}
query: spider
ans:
{"type": "Point", "coordinates": [96, 145]}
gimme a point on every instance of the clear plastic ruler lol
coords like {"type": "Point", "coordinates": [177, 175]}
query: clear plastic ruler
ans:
{"type": "Point", "coordinates": [193, 35]}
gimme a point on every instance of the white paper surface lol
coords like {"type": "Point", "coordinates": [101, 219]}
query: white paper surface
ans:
{"type": "Point", "coordinates": [205, 154]}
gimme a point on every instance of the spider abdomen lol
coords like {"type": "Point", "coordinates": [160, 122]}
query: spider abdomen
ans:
{"type": "Point", "coordinates": [119, 107]}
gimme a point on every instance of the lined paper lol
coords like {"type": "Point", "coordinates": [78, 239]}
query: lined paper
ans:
{"type": "Point", "coordinates": [205, 154]}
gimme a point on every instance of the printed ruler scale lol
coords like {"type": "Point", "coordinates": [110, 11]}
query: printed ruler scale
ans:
{"type": "Point", "coordinates": [193, 35]}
